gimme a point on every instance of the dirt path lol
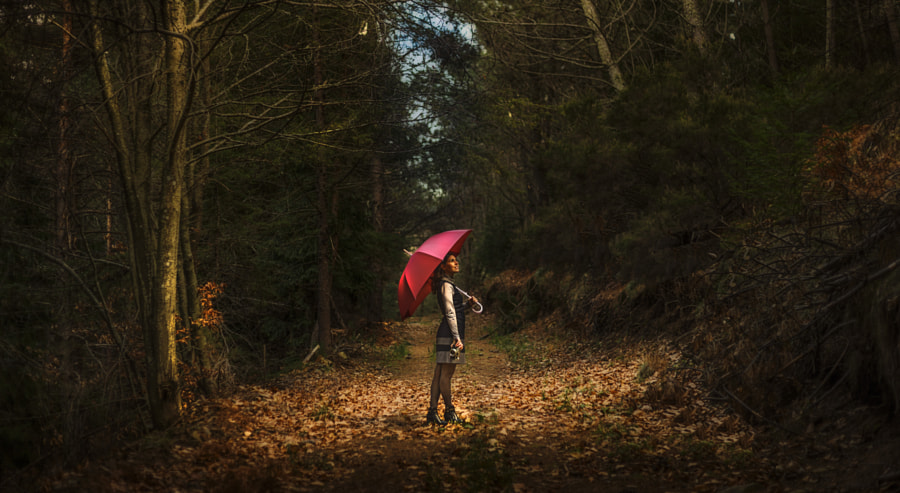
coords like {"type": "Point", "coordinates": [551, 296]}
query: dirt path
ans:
{"type": "Point", "coordinates": [485, 363]}
{"type": "Point", "coordinates": [584, 419]}
{"type": "Point", "coordinates": [409, 455]}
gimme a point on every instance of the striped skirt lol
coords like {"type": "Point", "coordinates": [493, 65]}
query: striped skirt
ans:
{"type": "Point", "coordinates": [445, 339]}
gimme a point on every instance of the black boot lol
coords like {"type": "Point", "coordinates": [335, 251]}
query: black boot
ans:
{"type": "Point", "coordinates": [450, 416]}
{"type": "Point", "coordinates": [432, 417]}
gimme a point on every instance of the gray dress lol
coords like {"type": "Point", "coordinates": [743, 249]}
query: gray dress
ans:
{"type": "Point", "coordinates": [453, 324]}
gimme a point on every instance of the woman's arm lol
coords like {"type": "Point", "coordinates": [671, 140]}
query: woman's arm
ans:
{"type": "Point", "coordinates": [446, 299]}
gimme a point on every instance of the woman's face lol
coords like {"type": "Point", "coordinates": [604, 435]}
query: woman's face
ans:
{"type": "Point", "coordinates": [451, 265]}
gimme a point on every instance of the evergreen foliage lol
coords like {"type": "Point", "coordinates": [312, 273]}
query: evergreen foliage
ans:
{"type": "Point", "coordinates": [662, 188]}
{"type": "Point", "coordinates": [722, 183]}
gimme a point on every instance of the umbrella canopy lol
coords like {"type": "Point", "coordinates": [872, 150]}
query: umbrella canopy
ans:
{"type": "Point", "coordinates": [415, 281]}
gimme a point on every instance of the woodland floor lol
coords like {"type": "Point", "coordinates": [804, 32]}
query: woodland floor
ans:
{"type": "Point", "coordinates": [560, 417]}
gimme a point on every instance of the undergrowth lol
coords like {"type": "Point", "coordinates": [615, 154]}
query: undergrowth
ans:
{"type": "Point", "coordinates": [393, 354]}
{"type": "Point", "coordinates": [518, 348]}
{"type": "Point", "coordinates": [479, 464]}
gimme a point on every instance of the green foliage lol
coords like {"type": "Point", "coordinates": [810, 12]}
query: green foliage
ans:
{"type": "Point", "coordinates": [632, 451]}
{"type": "Point", "coordinates": [497, 243]}
{"type": "Point", "coordinates": [29, 386]}
{"type": "Point", "coordinates": [675, 169]}
{"type": "Point", "coordinates": [515, 305]}
{"type": "Point", "coordinates": [610, 431]}
{"type": "Point", "coordinates": [519, 349]}
{"type": "Point", "coordinates": [554, 170]}
{"type": "Point", "coordinates": [697, 450]}
{"type": "Point", "coordinates": [486, 465]}
{"type": "Point", "coordinates": [267, 255]}
{"type": "Point", "coordinates": [643, 185]}
{"type": "Point", "coordinates": [21, 398]}
{"type": "Point", "coordinates": [323, 413]}
{"type": "Point", "coordinates": [395, 353]}
{"type": "Point", "coordinates": [772, 130]}
{"type": "Point", "coordinates": [704, 156]}
{"type": "Point", "coordinates": [265, 251]}
{"type": "Point", "coordinates": [479, 464]}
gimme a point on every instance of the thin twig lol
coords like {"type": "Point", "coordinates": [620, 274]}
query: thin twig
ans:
{"type": "Point", "coordinates": [757, 414]}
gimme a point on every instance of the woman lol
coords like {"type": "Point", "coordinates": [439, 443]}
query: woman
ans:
{"type": "Point", "coordinates": [450, 335]}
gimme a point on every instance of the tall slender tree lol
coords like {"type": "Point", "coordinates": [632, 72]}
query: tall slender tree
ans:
{"type": "Point", "coordinates": [893, 23]}
{"type": "Point", "coordinates": [154, 226]}
{"type": "Point", "coordinates": [606, 56]}
{"type": "Point", "coordinates": [694, 21]}
{"type": "Point", "coordinates": [64, 158]}
{"type": "Point", "coordinates": [830, 36]}
{"type": "Point", "coordinates": [324, 200]}
{"type": "Point", "coordinates": [769, 32]}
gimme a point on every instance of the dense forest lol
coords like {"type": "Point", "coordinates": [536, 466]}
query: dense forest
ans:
{"type": "Point", "coordinates": [201, 194]}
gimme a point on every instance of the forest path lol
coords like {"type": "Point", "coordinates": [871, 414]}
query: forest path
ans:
{"type": "Point", "coordinates": [573, 419]}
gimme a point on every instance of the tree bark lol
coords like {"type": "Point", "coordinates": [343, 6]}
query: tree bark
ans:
{"type": "Point", "coordinates": [829, 33]}
{"type": "Point", "coordinates": [770, 37]}
{"type": "Point", "coordinates": [192, 222]}
{"type": "Point", "coordinates": [890, 12]}
{"type": "Point", "coordinates": [695, 23]}
{"type": "Point", "coordinates": [376, 298]}
{"type": "Point", "coordinates": [153, 247]}
{"type": "Point", "coordinates": [863, 38]}
{"type": "Point", "coordinates": [199, 334]}
{"type": "Point", "coordinates": [322, 331]}
{"type": "Point", "coordinates": [64, 163]}
{"type": "Point", "coordinates": [593, 19]}
{"type": "Point", "coordinates": [138, 224]}
{"type": "Point", "coordinates": [164, 370]}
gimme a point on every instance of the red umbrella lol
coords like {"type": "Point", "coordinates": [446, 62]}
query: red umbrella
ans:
{"type": "Point", "coordinates": [415, 282]}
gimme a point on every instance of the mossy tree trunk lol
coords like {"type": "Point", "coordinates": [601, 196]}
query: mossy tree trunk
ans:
{"type": "Point", "coordinates": [153, 186]}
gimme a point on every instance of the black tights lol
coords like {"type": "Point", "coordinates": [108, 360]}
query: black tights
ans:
{"type": "Point", "coordinates": [440, 384]}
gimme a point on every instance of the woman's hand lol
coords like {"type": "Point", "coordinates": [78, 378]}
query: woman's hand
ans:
{"type": "Point", "coordinates": [474, 303]}
{"type": "Point", "coordinates": [458, 343]}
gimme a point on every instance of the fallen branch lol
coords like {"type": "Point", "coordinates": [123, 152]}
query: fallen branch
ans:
{"type": "Point", "coordinates": [757, 414]}
{"type": "Point", "coordinates": [311, 353]}
{"type": "Point", "coordinates": [891, 476]}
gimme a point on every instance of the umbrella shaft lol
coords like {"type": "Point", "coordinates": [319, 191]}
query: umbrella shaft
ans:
{"type": "Point", "coordinates": [468, 297]}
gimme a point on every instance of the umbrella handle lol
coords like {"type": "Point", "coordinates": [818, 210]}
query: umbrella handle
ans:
{"type": "Point", "coordinates": [479, 309]}
{"type": "Point", "coordinates": [468, 297]}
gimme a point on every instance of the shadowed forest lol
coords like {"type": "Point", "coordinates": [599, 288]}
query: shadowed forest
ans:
{"type": "Point", "coordinates": [685, 220]}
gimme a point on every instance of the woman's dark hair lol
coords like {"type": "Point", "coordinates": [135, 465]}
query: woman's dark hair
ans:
{"type": "Point", "coordinates": [438, 274]}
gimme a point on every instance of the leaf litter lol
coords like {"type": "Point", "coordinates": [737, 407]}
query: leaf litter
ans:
{"type": "Point", "coordinates": [577, 418]}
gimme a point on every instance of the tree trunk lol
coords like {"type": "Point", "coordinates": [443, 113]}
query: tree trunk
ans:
{"type": "Point", "coordinates": [192, 221]}
{"type": "Point", "coordinates": [63, 171]}
{"type": "Point", "coordinates": [863, 38]}
{"type": "Point", "coordinates": [829, 33]}
{"type": "Point", "coordinates": [695, 23]}
{"type": "Point", "coordinates": [109, 212]}
{"type": "Point", "coordinates": [200, 348]}
{"type": "Point", "coordinates": [376, 298]}
{"type": "Point", "coordinates": [153, 248]}
{"type": "Point", "coordinates": [890, 11]}
{"type": "Point", "coordinates": [164, 368]}
{"type": "Point", "coordinates": [137, 224]}
{"type": "Point", "coordinates": [770, 37]}
{"type": "Point", "coordinates": [593, 18]}
{"type": "Point", "coordinates": [322, 332]}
